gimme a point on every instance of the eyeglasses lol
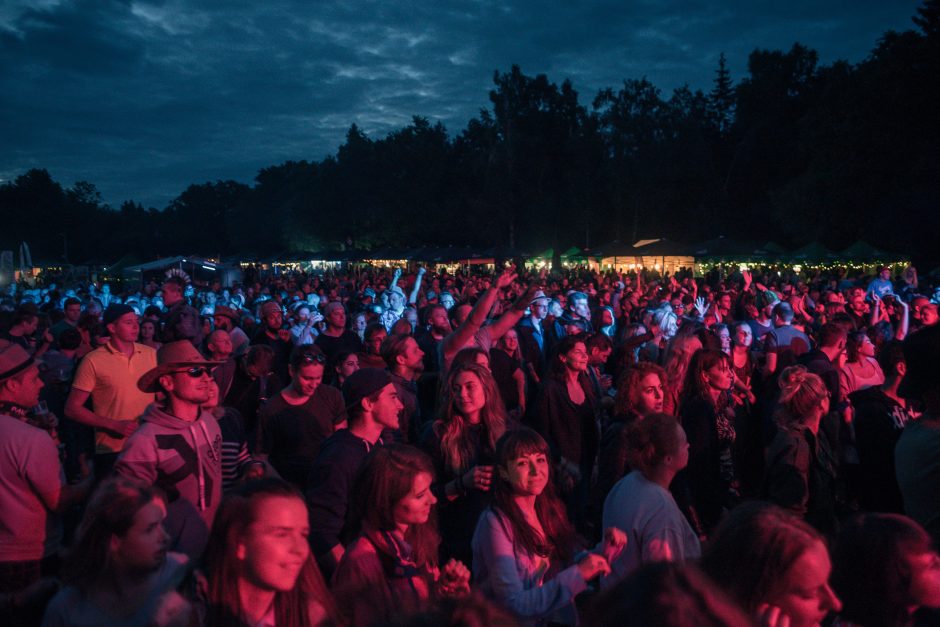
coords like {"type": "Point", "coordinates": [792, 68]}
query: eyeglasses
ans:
{"type": "Point", "coordinates": [195, 372]}
{"type": "Point", "coordinates": [313, 358]}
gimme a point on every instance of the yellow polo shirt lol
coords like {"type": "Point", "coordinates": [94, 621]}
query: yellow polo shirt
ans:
{"type": "Point", "coordinates": [111, 380]}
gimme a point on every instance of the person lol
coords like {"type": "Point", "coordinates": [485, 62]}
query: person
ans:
{"type": "Point", "coordinates": [462, 443]}
{"type": "Point", "coordinates": [347, 363]}
{"type": "Point", "coordinates": [506, 366]}
{"type": "Point", "coordinates": [178, 447]}
{"type": "Point", "coordinates": [881, 285]}
{"type": "Point", "coordinates": [253, 384]}
{"type": "Point", "coordinates": [886, 571]}
{"type": "Point", "coordinates": [785, 343]}
{"type": "Point", "coordinates": [773, 564]}
{"type": "Point", "coordinates": [372, 406]}
{"type": "Point", "coordinates": [219, 348]}
{"type": "Point", "coordinates": [641, 504]}
{"type": "Point", "coordinates": [108, 375]}
{"type": "Point", "coordinates": [639, 394]}
{"type": "Point", "coordinates": [120, 570]}
{"type": "Point", "coordinates": [148, 333]}
{"type": "Point", "coordinates": [32, 488]}
{"type": "Point", "coordinates": [405, 361]}
{"type": "Point", "coordinates": [237, 462]}
{"type": "Point", "coordinates": [72, 308]}
{"type": "Point", "coordinates": [881, 415]}
{"type": "Point", "coordinates": [524, 546]}
{"type": "Point", "coordinates": [861, 369]}
{"type": "Point", "coordinates": [371, 354]}
{"type": "Point", "coordinates": [800, 467]}
{"type": "Point", "coordinates": [437, 328]}
{"type": "Point", "coordinates": [566, 418]}
{"type": "Point", "coordinates": [272, 334]}
{"type": "Point", "coordinates": [534, 341]}
{"type": "Point", "coordinates": [259, 567]}
{"type": "Point", "coordinates": [666, 594]}
{"type": "Point", "coordinates": [296, 421]}
{"type": "Point", "coordinates": [336, 338]}
{"type": "Point", "coordinates": [226, 319]}
{"type": "Point", "coordinates": [676, 365]}
{"type": "Point", "coordinates": [393, 561]}
{"type": "Point", "coordinates": [917, 455]}
{"type": "Point", "coordinates": [742, 362]}
{"type": "Point", "coordinates": [710, 485]}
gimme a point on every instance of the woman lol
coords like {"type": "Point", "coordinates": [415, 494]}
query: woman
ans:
{"type": "Point", "coordinates": [887, 572]}
{"type": "Point", "coordinates": [260, 570]}
{"type": "Point", "coordinates": [148, 331]}
{"type": "Point", "coordinates": [800, 468]}
{"type": "Point", "coordinates": [710, 484]}
{"type": "Point", "coordinates": [462, 443]}
{"type": "Point", "coordinates": [391, 568]}
{"type": "Point", "coordinates": [603, 320]}
{"type": "Point", "coordinates": [358, 323]}
{"type": "Point", "coordinates": [641, 503]}
{"type": "Point", "coordinates": [861, 369]}
{"type": "Point", "coordinates": [639, 394]}
{"type": "Point", "coordinates": [506, 366]}
{"type": "Point", "coordinates": [774, 564]}
{"type": "Point", "coordinates": [676, 365]}
{"type": "Point", "coordinates": [523, 543]}
{"type": "Point", "coordinates": [347, 362]}
{"type": "Point", "coordinates": [723, 333]}
{"type": "Point", "coordinates": [566, 418]}
{"type": "Point", "coordinates": [742, 362]}
{"type": "Point", "coordinates": [119, 571]}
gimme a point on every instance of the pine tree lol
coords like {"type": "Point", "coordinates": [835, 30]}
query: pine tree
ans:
{"type": "Point", "coordinates": [721, 99]}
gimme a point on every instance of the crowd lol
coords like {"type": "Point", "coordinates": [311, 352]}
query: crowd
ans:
{"type": "Point", "coordinates": [377, 448]}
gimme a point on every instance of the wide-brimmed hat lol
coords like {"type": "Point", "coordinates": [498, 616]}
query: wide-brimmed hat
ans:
{"type": "Point", "coordinates": [539, 295]}
{"type": "Point", "coordinates": [227, 312]}
{"type": "Point", "coordinates": [172, 356]}
{"type": "Point", "coordinates": [920, 358]}
{"type": "Point", "coordinates": [13, 359]}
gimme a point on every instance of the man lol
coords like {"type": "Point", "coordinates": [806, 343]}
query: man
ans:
{"type": "Point", "coordinates": [336, 338]}
{"type": "Point", "coordinates": [253, 383]}
{"type": "Point", "coordinates": [109, 375]}
{"type": "Point", "coordinates": [577, 313]}
{"type": "Point", "coordinates": [220, 349]}
{"type": "Point", "coordinates": [785, 343]}
{"type": "Point", "coordinates": [32, 487]}
{"type": "Point", "coordinates": [73, 311]}
{"type": "Point", "coordinates": [295, 422]}
{"type": "Point", "coordinates": [880, 417]}
{"type": "Point", "coordinates": [405, 361]}
{"type": "Point", "coordinates": [438, 327]}
{"type": "Point", "coordinates": [761, 322]}
{"type": "Point", "coordinates": [227, 319]}
{"type": "Point", "coordinates": [272, 334]}
{"type": "Point", "coordinates": [372, 405]}
{"type": "Point", "coordinates": [178, 447]}
{"type": "Point", "coordinates": [534, 341]}
{"type": "Point", "coordinates": [917, 455]}
{"type": "Point", "coordinates": [181, 321]}
{"type": "Point", "coordinates": [23, 328]}
{"type": "Point", "coordinates": [881, 285]}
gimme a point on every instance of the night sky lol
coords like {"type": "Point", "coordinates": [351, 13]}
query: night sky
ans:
{"type": "Point", "coordinates": [144, 98]}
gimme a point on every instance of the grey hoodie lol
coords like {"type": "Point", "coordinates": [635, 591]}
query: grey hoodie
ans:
{"type": "Point", "coordinates": [184, 459]}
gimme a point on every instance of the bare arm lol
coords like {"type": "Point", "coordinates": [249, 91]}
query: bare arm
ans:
{"type": "Point", "coordinates": [413, 298]}
{"type": "Point", "coordinates": [901, 333]}
{"type": "Point", "coordinates": [76, 410]}
{"type": "Point", "coordinates": [459, 338]}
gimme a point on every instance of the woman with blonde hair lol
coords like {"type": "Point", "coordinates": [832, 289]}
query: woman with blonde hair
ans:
{"type": "Point", "coordinates": [800, 466]}
{"type": "Point", "coordinates": [462, 444]}
{"type": "Point", "coordinates": [676, 364]}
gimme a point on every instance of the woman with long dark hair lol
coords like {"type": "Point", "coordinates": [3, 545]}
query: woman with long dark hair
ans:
{"type": "Point", "coordinates": [390, 569]}
{"type": "Point", "coordinates": [118, 571]}
{"type": "Point", "coordinates": [567, 419]}
{"type": "Point", "coordinates": [710, 483]}
{"type": "Point", "coordinates": [524, 544]}
{"type": "Point", "coordinates": [259, 566]}
{"type": "Point", "coordinates": [462, 443]}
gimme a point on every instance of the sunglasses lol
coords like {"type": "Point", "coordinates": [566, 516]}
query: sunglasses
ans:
{"type": "Point", "coordinates": [195, 372]}
{"type": "Point", "coordinates": [313, 358]}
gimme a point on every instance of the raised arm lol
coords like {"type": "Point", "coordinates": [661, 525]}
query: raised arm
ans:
{"type": "Point", "coordinates": [413, 298]}
{"type": "Point", "coordinates": [452, 344]}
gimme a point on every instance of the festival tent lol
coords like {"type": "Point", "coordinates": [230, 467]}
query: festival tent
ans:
{"type": "Point", "coordinates": [654, 254]}
{"type": "Point", "coordinates": [192, 268]}
{"type": "Point", "coordinates": [813, 253]}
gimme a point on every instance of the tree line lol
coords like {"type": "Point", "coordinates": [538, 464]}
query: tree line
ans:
{"type": "Point", "coordinates": [794, 151]}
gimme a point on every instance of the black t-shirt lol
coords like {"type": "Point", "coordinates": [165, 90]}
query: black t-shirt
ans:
{"type": "Point", "coordinates": [291, 435]}
{"type": "Point", "coordinates": [333, 346]}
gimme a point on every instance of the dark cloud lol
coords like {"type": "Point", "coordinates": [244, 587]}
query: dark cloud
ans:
{"type": "Point", "coordinates": [143, 98]}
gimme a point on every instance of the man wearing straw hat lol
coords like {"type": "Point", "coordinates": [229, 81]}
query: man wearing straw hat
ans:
{"type": "Point", "coordinates": [32, 489]}
{"type": "Point", "coordinates": [178, 446]}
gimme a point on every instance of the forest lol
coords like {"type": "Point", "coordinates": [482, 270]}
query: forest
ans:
{"type": "Point", "coordinates": [792, 152]}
